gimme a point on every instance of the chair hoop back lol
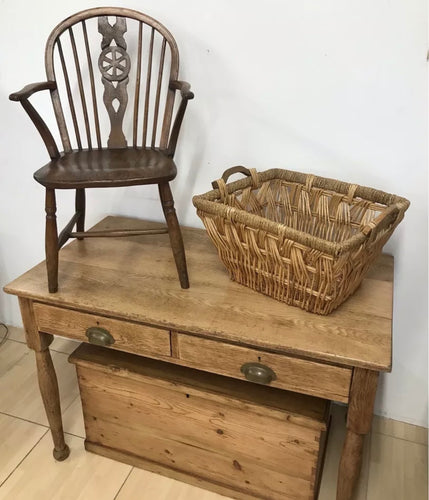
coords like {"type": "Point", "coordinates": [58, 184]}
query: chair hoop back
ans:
{"type": "Point", "coordinates": [121, 55]}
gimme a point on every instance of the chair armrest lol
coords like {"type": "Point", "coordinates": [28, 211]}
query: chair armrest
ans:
{"type": "Point", "coordinates": [183, 87]}
{"type": "Point", "coordinates": [186, 94]}
{"type": "Point", "coordinates": [30, 89]}
{"type": "Point", "coordinates": [22, 97]}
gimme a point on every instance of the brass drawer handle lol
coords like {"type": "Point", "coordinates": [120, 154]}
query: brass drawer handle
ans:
{"type": "Point", "coordinates": [255, 372]}
{"type": "Point", "coordinates": [99, 336]}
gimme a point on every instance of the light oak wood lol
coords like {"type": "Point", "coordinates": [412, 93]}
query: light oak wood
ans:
{"type": "Point", "coordinates": [47, 378]}
{"type": "Point", "coordinates": [34, 340]}
{"type": "Point", "coordinates": [362, 396]}
{"type": "Point", "coordinates": [214, 471]}
{"type": "Point", "coordinates": [174, 340]}
{"type": "Point", "coordinates": [350, 465]}
{"type": "Point", "coordinates": [359, 419]}
{"type": "Point", "coordinates": [48, 386]}
{"type": "Point", "coordinates": [195, 421]}
{"type": "Point", "coordinates": [110, 278]}
{"type": "Point", "coordinates": [333, 454]}
{"type": "Point", "coordinates": [129, 337]}
{"type": "Point", "coordinates": [238, 448]}
{"type": "Point", "coordinates": [308, 377]}
{"type": "Point", "coordinates": [357, 334]}
{"type": "Point", "coordinates": [272, 403]}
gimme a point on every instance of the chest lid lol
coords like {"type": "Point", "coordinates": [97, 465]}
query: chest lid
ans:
{"type": "Point", "coordinates": [276, 403]}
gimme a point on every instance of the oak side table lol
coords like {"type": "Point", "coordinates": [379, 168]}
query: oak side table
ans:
{"type": "Point", "coordinates": [123, 293]}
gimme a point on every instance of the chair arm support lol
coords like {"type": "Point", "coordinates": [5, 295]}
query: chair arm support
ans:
{"type": "Point", "coordinates": [30, 89]}
{"type": "Point", "coordinates": [22, 97]}
{"type": "Point", "coordinates": [186, 94]}
{"type": "Point", "coordinates": [183, 87]}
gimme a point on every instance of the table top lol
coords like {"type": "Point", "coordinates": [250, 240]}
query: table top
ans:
{"type": "Point", "coordinates": [134, 278]}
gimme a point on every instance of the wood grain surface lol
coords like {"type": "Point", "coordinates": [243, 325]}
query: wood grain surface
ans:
{"type": "Point", "coordinates": [129, 337]}
{"type": "Point", "coordinates": [270, 402]}
{"type": "Point", "coordinates": [308, 377]}
{"type": "Point", "coordinates": [128, 409]}
{"type": "Point", "coordinates": [134, 279]}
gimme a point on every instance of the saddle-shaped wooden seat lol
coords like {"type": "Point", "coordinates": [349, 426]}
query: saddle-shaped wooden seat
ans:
{"type": "Point", "coordinates": [107, 168]}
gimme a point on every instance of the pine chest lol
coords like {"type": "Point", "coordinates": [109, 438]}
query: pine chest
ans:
{"type": "Point", "coordinates": [237, 438]}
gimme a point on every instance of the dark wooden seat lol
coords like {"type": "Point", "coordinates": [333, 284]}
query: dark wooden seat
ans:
{"type": "Point", "coordinates": [87, 57]}
{"type": "Point", "coordinates": [107, 168]}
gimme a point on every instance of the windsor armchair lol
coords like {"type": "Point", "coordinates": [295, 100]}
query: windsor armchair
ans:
{"type": "Point", "coordinates": [118, 145]}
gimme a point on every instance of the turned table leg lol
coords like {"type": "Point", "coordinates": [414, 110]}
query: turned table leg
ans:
{"type": "Point", "coordinates": [39, 343]}
{"type": "Point", "coordinates": [359, 419]}
{"type": "Point", "coordinates": [51, 399]}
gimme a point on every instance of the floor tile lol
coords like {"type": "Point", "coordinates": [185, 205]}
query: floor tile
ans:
{"type": "Point", "coordinates": [400, 430]}
{"type": "Point", "coordinates": [63, 345]}
{"type": "Point", "coordinates": [17, 438]}
{"type": "Point", "coordinates": [73, 419]}
{"type": "Point", "coordinates": [83, 476]}
{"type": "Point", "coordinates": [19, 387]}
{"type": "Point", "coordinates": [144, 485]}
{"type": "Point", "coordinates": [398, 469]}
{"type": "Point", "coordinates": [59, 344]}
{"type": "Point", "coordinates": [11, 353]}
{"type": "Point", "coordinates": [15, 333]}
{"type": "Point", "coordinates": [336, 437]}
{"type": "Point", "coordinates": [394, 460]}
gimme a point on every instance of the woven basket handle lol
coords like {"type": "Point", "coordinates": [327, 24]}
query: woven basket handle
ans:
{"type": "Point", "coordinates": [383, 221]}
{"type": "Point", "coordinates": [239, 169]}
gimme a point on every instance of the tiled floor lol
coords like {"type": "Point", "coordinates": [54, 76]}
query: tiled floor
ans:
{"type": "Point", "coordinates": [395, 457]}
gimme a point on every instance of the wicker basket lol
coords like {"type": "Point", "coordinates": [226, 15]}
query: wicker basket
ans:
{"type": "Point", "coordinates": [301, 239]}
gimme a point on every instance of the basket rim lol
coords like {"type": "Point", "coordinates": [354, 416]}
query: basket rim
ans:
{"type": "Point", "coordinates": [395, 209]}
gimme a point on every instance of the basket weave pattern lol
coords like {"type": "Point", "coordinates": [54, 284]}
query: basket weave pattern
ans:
{"type": "Point", "coordinates": [301, 239]}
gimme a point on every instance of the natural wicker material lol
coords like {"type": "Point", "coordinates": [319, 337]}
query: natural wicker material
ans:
{"type": "Point", "coordinates": [301, 239]}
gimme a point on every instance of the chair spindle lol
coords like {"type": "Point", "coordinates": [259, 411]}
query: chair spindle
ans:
{"type": "Point", "coordinates": [81, 89]}
{"type": "Point", "coordinates": [158, 93]}
{"type": "Point", "coordinates": [93, 92]}
{"type": "Point", "coordinates": [148, 81]}
{"type": "Point", "coordinates": [137, 92]}
{"type": "Point", "coordinates": [69, 94]}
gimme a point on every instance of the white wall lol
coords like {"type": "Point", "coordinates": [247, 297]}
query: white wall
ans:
{"type": "Point", "coordinates": [337, 88]}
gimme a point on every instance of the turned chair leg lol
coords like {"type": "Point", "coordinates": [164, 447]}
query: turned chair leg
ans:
{"type": "Point", "coordinates": [80, 208]}
{"type": "Point", "coordinates": [174, 232]}
{"type": "Point", "coordinates": [51, 241]}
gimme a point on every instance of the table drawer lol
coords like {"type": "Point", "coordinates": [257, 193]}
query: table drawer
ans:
{"type": "Point", "coordinates": [294, 374]}
{"type": "Point", "coordinates": [126, 336]}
